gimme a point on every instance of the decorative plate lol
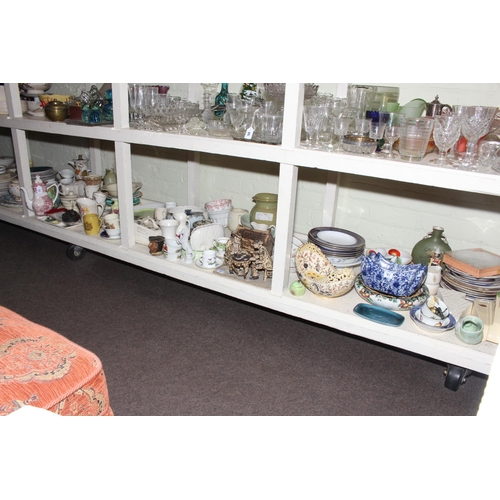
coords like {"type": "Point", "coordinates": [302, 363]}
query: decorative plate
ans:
{"type": "Point", "coordinates": [389, 301]}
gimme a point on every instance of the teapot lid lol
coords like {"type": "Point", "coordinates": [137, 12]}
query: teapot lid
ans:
{"type": "Point", "coordinates": [435, 101]}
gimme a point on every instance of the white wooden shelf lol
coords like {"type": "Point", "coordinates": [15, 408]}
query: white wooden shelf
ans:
{"type": "Point", "coordinates": [289, 157]}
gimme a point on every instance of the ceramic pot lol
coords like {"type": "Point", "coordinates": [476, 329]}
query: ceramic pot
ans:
{"type": "Point", "coordinates": [265, 208]}
{"type": "Point", "coordinates": [431, 249]}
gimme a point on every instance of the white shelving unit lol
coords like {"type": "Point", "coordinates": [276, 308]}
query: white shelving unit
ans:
{"type": "Point", "coordinates": [289, 158]}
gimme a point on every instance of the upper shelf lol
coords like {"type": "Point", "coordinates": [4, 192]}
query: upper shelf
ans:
{"type": "Point", "coordinates": [421, 173]}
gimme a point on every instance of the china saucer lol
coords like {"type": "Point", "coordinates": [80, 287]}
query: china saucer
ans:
{"type": "Point", "coordinates": [105, 235]}
{"type": "Point", "coordinates": [415, 315]}
{"type": "Point", "coordinates": [218, 263]}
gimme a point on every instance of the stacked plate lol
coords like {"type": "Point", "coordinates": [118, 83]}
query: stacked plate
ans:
{"type": "Point", "coordinates": [45, 173]}
{"type": "Point", "coordinates": [474, 288]}
{"type": "Point", "coordinates": [342, 248]}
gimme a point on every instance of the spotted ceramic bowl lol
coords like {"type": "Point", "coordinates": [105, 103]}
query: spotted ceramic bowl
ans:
{"type": "Point", "coordinates": [391, 278]}
{"type": "Point", "coordinates": [319, 276]}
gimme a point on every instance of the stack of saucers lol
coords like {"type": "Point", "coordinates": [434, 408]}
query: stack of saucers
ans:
{"type": "Point", "coordinates": [342, 248]}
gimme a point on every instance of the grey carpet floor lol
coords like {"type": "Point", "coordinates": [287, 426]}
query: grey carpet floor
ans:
{"type": "Point", "coordinates": [169, 348]}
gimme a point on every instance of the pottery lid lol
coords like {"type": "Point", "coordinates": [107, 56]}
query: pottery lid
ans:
{"type": "Point", "coordinates": [269, 197]}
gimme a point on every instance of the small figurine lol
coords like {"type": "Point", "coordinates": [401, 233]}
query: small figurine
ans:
{"type": "Point", "coordinates": [183, 238]}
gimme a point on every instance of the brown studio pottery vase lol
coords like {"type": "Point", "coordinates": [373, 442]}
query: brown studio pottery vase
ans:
{"type": "Point", "coordinates": [431, 248]}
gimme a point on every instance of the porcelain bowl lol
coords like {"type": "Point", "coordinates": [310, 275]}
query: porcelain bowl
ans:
{"type": "Point", "coordinates": [218, 205]}
{"type": "Point", "coordinates": [112, 189]}
{"type": "Point", "coordinates": [40, 87]}
{"type": "Point", "coordinates": [319, 276]}
{"type": "Point", "coordinates": [69, 202]}
{"type": "Point", "coordinates": [431, 309]}
{"type": "Point", "coordinates": [391, 278]}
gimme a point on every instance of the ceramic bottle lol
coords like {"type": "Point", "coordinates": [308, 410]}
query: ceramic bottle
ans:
{"type": "Point", "coordinates": [431, 249]}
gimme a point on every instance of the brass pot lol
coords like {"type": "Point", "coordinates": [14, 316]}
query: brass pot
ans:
{"type": "Point", "coordinates": [56, 111]}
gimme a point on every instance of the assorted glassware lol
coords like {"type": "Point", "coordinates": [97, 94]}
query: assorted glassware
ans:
{"type": "Point", "coordinates": [329, 123]}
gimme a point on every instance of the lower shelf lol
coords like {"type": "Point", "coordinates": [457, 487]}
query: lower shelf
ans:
{"type": "Point", "coordinates": [334, 313]}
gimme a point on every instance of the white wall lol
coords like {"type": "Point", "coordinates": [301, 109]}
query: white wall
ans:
{"type": "Point", "coordinates": [383, 212]}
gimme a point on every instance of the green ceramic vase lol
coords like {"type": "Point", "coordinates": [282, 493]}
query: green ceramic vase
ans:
{"type": "Point", "coordinates": [431, 249]}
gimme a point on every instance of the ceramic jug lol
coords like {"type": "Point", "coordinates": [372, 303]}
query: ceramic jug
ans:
{"type": "Point", "coordinates": [431, 249]}
{"type": "Point", "coordinates": [41, 202]}
{"type": "Point", "coordinates": [89, 206]}
{"type": "Point", "coordinates": [81, 166]}
{"type": "Point", "coordinates": [235, 218]}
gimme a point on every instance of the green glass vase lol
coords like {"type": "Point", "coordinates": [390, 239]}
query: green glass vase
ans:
{"type": "Point", "coordinates": [431, 249]}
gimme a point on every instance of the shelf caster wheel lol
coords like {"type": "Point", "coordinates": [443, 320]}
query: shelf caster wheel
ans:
{"type": "Point", "coordinates": [455, 377]}
{"type": "Point", "coordinates": [75, 252]}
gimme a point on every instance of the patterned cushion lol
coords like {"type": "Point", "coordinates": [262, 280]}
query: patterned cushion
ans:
{"type": "Point", "coordinates": [41, 368]}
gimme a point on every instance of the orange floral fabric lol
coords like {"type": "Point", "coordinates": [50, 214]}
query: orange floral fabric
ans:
{"type": "Point", "coordinates": [40, 367]}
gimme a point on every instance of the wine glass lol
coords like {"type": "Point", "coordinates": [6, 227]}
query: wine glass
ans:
{"type": "Point", "coordinates": [314, 120]}
{"type": "Point", "coordinates": [341, 128]}
{"type": "Point", "coordinates": [446, 132]}
{"type": "Point", "coordinates": [335, 106]}
{"type": "Point", "coordinates": [376, 132]}
{"type": "Point", "coordinates": [391, 135]}
{"type": "Point", "coordinates": [476, 123]}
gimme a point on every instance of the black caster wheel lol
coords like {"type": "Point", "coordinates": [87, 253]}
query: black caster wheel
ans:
{"type": "Point", "coordinates": [75, 252]}
{"type": "Point", "coordinates": [455, 377]}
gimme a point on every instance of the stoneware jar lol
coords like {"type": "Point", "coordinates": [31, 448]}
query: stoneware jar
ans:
{"type": "Point", "coordinates": [265, 208]}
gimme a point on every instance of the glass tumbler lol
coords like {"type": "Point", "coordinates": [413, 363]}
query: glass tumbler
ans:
{"type": "Point", "coordinates": [414, 137]}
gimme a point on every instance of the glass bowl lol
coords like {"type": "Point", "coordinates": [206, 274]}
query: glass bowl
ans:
{"type": "Point", "coordinates": [359, 144]}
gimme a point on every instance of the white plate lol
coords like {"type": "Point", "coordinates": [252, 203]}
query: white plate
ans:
{"type": "Point", "coordinates": [201, 266]}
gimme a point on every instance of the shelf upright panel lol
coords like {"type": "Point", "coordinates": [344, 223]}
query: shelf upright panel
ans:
{"type": "Point", "coordinates": [287, 188]}
{"type": "Point", "coordinates": [123, 165]}
{"type": "Point", "coordinates": [285, 216]}
{"type": "Point", "coordinates": [20, 142]}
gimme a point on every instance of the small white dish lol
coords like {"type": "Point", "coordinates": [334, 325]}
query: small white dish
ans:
{"type": "Point", "coordinates": [106, 236]}
{"type": "Point", "coordinates": [393, 254]}
{"type": "Point", "coordinates": [199, 263]}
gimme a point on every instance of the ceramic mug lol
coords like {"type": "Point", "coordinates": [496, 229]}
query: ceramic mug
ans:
{"type": "Point", "coordinates": [470, 330]}
{"type": "Point", "coordinates": [156, 245]}
{"type": "Point", "coordinates": [90, 190]}
{"type": "Point", "coordinates": [209, 259]}
{"type": "Point", "coordinates": [220, 246]}
{"type": "Point", "coordinates": [111, 221]}
{"type": "Point", "coordinates": [92, 224]}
